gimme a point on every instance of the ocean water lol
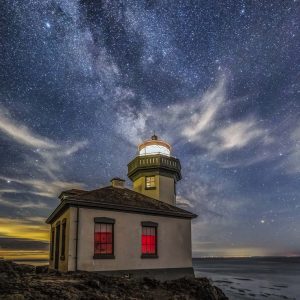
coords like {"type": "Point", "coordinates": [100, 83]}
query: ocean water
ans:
{"type": "Point", "coordinates": [253, 278]}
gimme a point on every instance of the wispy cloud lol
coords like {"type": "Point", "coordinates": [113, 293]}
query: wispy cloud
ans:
{"type": "Point", "coordinates": [44, 159]}
{"type": "Point", "coordinates": [48, 152]}
{"type": "Point", "coordinates": [184, 202]}
{"type": "Point", "coordinates": [52, 159]}
{"type": "Point", "coordinates": [21, 134]}
{"type": "Point", "coordinates": [22, 204]}
{"type": "Point", "coordinates": [46, 188]}
{"type": "Point", "coordinates": [240, 134]}
{"type": "Point", "coordinates": [203, 115]}
{"type": "Point", "coordinates": [204, 123]}
{"type": "Point", "coordinates": [291, 159]}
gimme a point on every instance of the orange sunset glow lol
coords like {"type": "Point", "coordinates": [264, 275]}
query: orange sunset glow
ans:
{"type": "Point", "coordinates": [28, 231]}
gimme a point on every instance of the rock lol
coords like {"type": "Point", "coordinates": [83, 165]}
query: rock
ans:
{"type": "Point", "coordinates": [41, 269]}
{"type": "Point", "coordinates": [22, 282]}
{"type": "Point", "coordinates": [94, 283]}
{"type": "Point", "coordinates": [13, 297]}
{"type": "Point", "coordinates": [151, 282]}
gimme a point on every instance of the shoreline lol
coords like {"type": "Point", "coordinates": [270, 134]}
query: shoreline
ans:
{"type": "Point", "coordinates": [23, 281]}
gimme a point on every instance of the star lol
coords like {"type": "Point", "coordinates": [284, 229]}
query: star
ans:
{"type": "Point", "coordinates": [85, 82]}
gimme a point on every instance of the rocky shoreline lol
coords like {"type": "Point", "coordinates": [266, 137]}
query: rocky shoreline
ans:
{"type": "Point", "coordinates": [29, 282]}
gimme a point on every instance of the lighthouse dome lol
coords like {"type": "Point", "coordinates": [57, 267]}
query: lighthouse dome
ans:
{"type": "Point", "coordinates": [154, 146]}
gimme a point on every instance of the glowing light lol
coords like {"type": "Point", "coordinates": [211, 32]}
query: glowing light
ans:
{"type": "Point", "coordinates": [262, 221]}
{"type": "Point", "coordinates": [48, 25]}
{"type": "Point", "coordinates": [148, 240]}
{"type": "Point", "coordinates": [155, 149]}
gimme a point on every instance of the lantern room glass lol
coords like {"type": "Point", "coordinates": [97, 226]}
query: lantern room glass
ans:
{"type": "Point", "coordinates": [154, 149]}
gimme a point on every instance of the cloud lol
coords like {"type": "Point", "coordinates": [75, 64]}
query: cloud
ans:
{"type": "Point", "coordinates": [187, 119]}
{"type": "Point", "coordinates": [21, 133]}
{"type": "Point", "coordinates": [26, 238]}
{"type": "Point", "coordinates": [44, 188]}
{"type": "Point", "coordinates": [25, 255]}
{"type": "Point", "coordinates": [291, 158]}
{"type": "Point", "coordinates": [204, 124]}
{"type": "Point", "coordinates": [239, 134]}
{"type": "Point", "coordinates": [52, 159]}
{"type": "Point", "coordinates": [216, 250]}
{"type": "Point", "coordinates": [22, 244]}
{"type": "Point", "coordinates": [183, 202]}
{"type": "Point", "coordinates": [204, 117]}
{"type": "Point", "coordinates": [22, 204]}
{"type": "Point", "coordinates": [24, 228]}
{"type": "Point", "coordinates": [45, 158]}
{"type": "Point", "coordinates": [46, 155]}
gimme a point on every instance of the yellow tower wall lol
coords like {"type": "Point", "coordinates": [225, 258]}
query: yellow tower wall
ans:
{"type": "Point", "coordinates": [167, 190]}
{"type": "Point", "coordinates": [164, 188]}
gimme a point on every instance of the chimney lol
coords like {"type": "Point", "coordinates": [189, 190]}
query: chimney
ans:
{"type": "Point", "coordinates": [117, 182]}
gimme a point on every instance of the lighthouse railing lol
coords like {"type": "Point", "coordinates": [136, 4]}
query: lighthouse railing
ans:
{"type": "Point", "coordinates": [154, 161]}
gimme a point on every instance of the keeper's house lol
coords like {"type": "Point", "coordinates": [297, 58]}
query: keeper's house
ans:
{"type": "Point", "coordinates": [119, 230]}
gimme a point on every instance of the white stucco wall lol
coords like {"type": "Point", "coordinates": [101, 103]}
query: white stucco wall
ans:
{"type": "Point", "coordinates": [174, 242]}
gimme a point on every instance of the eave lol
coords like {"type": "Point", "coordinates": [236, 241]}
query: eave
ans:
{"type": "Point", "coordinates": [66, 203]}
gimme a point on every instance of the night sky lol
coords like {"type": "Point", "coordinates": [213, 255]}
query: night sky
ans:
{"type": "Point", "coordinates": [83, 82]}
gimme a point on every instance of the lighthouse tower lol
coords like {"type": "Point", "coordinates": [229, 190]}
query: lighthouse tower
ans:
{"type": "Point", "coordinates": [154, 172]}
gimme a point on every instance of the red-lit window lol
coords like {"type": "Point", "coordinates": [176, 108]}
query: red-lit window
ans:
{"type": "Point", "coordinates": [149, 241]}
{"type": "Point", "coordinates": [104, 239]}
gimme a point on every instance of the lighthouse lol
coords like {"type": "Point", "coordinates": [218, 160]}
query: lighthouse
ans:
{"type": "Point", "coordinates": [154, 171]}
{"type": "Point", "coordinates": [118, 230]}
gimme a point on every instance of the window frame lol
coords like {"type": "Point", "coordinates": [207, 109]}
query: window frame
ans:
{"type": "Point", "coordinates": [150, 187]}
{"type": "Point", "coordinates": [105, 221]}
{"type": "Point", "coordinates": [147, 224]}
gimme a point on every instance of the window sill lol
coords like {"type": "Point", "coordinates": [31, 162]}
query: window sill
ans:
{"type": "Point", "coordinates": [103, 256]}
{"type": "Point", "coordinates": [149, 256]}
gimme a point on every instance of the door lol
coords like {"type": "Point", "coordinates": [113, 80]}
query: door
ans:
{"type": "Point", "coordinates": [57, 246]}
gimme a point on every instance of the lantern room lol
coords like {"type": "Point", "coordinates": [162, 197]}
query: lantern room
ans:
{"type": "Point", "coordinates": [154, 172]}
{"type": "Point", "coordinates": [154, 146]}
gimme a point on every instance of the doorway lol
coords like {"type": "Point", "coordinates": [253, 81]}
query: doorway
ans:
{"type": "Point", "coordinates": [57, 246]}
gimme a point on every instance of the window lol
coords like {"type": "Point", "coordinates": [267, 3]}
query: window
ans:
{"type": "Point", "coordinates": [63, 239]}
{"type": "Point", "coordinates": [149, 240]}
{"type": "Point", "coordinates": [52, 244]}
{"type": "Point", "coordinates": [150, 182]}
{"type": "Point", "coordinates": [104, 238]}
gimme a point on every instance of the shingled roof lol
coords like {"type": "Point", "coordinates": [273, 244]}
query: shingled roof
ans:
{"type": "Point", "coordinates": [120, 199]}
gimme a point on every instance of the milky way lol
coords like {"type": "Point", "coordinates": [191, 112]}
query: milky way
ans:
{"type": "Point", "coordinates": [83, 82]}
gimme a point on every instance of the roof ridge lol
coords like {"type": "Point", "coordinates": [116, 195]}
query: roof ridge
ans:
{"type": "Point", "coordinates": [134, 192]}
{"type": "Point", "coordinates": [121, 199]}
